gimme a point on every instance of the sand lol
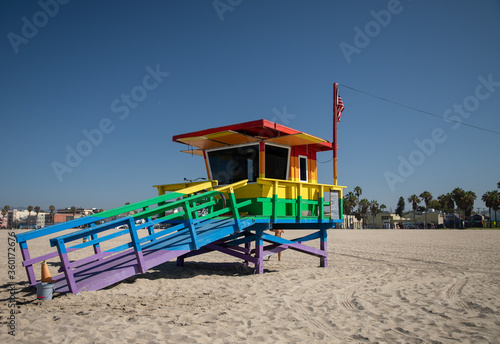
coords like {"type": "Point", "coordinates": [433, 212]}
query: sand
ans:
{"type": "Point", "coordinates": [381, 286]}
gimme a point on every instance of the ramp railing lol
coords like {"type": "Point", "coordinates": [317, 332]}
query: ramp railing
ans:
{"type": "Point", "coordinates": [108, 225]}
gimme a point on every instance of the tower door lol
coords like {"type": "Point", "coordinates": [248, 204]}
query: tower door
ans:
{"type": "Point", "coordinates": [303, 168]}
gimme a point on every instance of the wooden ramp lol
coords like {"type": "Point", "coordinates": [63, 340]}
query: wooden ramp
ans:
{"type": "Point", "coordinates": [129, 240]}
{"type": "Point", "coordinates": [119, 266]}
{"type": "Point", "coordinates": [174, 224]}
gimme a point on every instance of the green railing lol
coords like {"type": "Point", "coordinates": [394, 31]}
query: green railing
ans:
{"type": "Point", "coordinates": [307, 199]}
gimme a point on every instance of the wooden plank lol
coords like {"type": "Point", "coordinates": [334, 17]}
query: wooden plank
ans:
{"type": "Point", "coordinates": [47, 256]}
{"type": "Point", "coordinates": [37, 233]}
{"type": "Point", "coordinates": [93, 258]}
{"type": "Point", "coordinates": [233, 253]}
{"type": "Point", "coordinates": [293, 245]}
{"type": "Point", "coordinates": [89, 231]}
{"type": "Point", "coordinates": [26, 256]}
{"type": "Point", "coordinates": [259, 253]}
{"type": "Point", "coordinates": [63, 255]}
{"type": "Point", "coordinates": [323, 246]}
{"type": "Point", "coordinates": [150, 239]}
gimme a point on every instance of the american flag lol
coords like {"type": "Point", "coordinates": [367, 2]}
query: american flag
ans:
{"type": "Point", "coordinates": [340, 107]}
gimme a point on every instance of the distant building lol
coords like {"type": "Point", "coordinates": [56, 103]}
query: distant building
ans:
{"type": "Point", "coordinates": [3, 221]}
{"type": "Point", "coordinates": [79, 212]}
{"type": "Point", "coordinates": [16, 217]}
{"type": "Point", "coordinates": [476, 221]}
{"type": "Point", "coordinates": [433, 218]}
{"type": "Point", "coordinates": [491, 221]}
{"type": "Point", "coordinates": [59, 218]}
{"type": "Point", "coordinates": [25, 219]}
{"type": "Point", "coordinates": [49, 219]}
{"type": "Point", "coordinates": [351, 222]}
{"type": "Point", "coordinates": [66, 214]}
{"type": "Point", "coordinates": [386, 220]}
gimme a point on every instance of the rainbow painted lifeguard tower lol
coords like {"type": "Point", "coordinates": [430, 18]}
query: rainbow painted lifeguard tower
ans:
{"type": "Point", "coordinates": [261, 176]}
{"type": "Point", "coordinates": [278, 167]}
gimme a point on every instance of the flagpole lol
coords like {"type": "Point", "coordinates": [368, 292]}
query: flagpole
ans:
{"type": "Point", "coordinates": [335, 119]}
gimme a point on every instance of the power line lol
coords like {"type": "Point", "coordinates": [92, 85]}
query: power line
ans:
{"type": "Point", "coordinates": [324, 162]}
{"type": "Point", "coordinates": [418, 110]}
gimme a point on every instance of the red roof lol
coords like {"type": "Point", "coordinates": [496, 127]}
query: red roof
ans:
{"type": "Point", "coordinates": [253, 131]}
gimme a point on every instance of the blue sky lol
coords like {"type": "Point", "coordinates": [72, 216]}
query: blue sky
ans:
{"type": "Point", "coordinates": [68, 67]}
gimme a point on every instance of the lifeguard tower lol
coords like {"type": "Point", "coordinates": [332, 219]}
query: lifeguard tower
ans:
{"type": "Point", "coordinates": [261, 176]}
{"type": "Point", "coordinates": [279, 167]}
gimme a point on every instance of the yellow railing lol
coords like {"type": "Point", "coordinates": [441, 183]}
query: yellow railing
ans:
{"type": "Point", "coordinates": [302, 194]}
{"type": "Point", "coordinates": [300, 187]}
{"type": "Point", "coordinates": [197, 186]}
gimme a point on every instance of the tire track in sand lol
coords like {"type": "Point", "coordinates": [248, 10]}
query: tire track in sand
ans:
{"type": "Point", "coordinates": [348, 301]}
{"type": "Point", "coordinates": [455, 290]}
{"type": "Point", "coordinates": [326, 326]}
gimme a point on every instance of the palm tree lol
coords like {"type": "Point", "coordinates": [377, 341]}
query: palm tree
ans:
{"type": "Point", "coordinates": [30, 209]}
{"type": "Point", "coordinates": [458, 196]}
{"type": "Point", "coordinates": [7, 209]}
{"type": "Point", "coordinates": [374, 210]}
{"type": "Point", "coordinates": [73, 210]}
{"type": "Point", "coordinates": [487, 199]}
{"type": "Point", "coordinates": [498, 185]}
{"type": "Point", "coordinates": [426, 196]}
{"type": "Point", "coordinates": [492, 200]}
{"type": "Point", "coordinates": [350, 202]}
{"type": "Point", "coordinates": [364, 205]}
{"type": "Point", "coordinates": [52, 208]}
{"type": "Point", "coordinates": [435, 204]}
{"type": "Point", "coordinates": [447, 204]}
{"type": "Point", "coordinates": [496, 204]}
{"type": "Point", "coordinates": [414, 200]}
{"type": "Point", "coordinates": [468, 203]}
{"type": "Point", "coordinates": [37, 211]}
{"type": "Point", "coordinates": [4, 212]}
{"type": "Point", "coordinates": [358, 191]}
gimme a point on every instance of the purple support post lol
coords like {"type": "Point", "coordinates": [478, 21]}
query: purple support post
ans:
{"type": "Point", "coordinates": [29, 269]}
{"type": "Point", "coordinates": [259, 252]}
{"type": "Point", "coordinates": [68, 273]}
{"type": "Point", "coordinates": [180, 261]}
{"type": "Point", "coordinates": [247, 251]}
{"type": "Point", "coordinates": [323, 246]}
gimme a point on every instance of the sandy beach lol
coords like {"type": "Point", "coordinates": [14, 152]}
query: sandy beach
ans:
{"type": "Point", "coordinates": [381, 286]}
